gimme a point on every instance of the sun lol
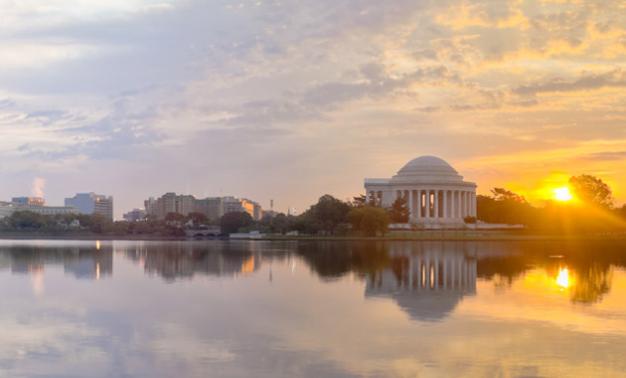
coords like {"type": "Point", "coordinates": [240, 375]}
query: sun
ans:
{"type": "Point", "coordinates": [562, 194]}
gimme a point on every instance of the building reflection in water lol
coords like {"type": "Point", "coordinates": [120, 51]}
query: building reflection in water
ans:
{"type": "Point", "coordinates": [83, 261]}
{"type": "Point", "coordinates": [426, 282]}
{"type": "Point", "coordinates": [185, 260]}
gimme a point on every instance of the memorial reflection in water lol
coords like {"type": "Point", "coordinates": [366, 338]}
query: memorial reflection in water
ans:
{"type": "Point", "coordinates": [431, 273]}
{"type": "Point", "coordinates": [354, 308]}
{"type": "Point", "coordinates": [428, 283]}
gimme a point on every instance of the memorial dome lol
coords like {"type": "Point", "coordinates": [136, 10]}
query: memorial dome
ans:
{"type": "Point", "coordinates": [427, 169]}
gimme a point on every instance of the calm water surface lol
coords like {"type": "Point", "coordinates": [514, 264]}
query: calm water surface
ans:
{"type": "Point", "coordinates": [339, 309]}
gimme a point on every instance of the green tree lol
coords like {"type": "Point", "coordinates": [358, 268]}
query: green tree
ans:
{"type": "Point", "coordinates": [592, 191]}
{"type": "Point", "coordinates": [280, 223]}
{"type": "Point", "coordinates": [369, 220]}
{"type": "Point", "coordinates": [326, 214]}
{"type": "Point", "coordinates": [399, 212]}
{"type": "Point", "coordinates": [232, 222]}
{"type": "Point", "coordinates": [97, 223]}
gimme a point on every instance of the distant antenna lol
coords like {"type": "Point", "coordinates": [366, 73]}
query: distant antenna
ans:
{"type": "Point", "coordinates": [272, 205]}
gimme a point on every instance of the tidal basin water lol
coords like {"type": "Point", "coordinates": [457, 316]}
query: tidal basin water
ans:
{"type": "Point", "coordinates": [312, 309]}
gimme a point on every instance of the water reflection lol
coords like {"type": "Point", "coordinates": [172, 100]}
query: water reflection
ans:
{"type": "Point", "coordinates": [408, 272]}
{"type": "Point", "coordinates": [312, 309]}
{"type": "Point", "coordinates": [81, 260]}
{"type": "Point", "coordinates": [562, 279]}
{"type": "Point", "coordinates": [590, 283]}
{"type": "Point", "coordinates": [427, 284]}
{"type": "Point", "coordinates": [185, 260]}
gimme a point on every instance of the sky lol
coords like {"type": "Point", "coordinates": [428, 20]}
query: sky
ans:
{"type": "Point", "coordinates": [291, 99]}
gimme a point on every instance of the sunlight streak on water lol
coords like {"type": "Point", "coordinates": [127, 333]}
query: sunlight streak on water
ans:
{"type": "Point", "coordinates": [562, 279]}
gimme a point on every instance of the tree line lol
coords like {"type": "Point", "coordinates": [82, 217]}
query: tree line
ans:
{"type": "Point", "coordinates": [594, 211]}
{"type": "Point", "coordinates": [591, 210]}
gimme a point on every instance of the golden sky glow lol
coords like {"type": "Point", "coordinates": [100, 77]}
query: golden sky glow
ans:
{"type": "Point", "coordinates": [283, 101]}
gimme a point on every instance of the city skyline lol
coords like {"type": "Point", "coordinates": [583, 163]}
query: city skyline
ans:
{"type": "Point", "coordinates": [292, 100]}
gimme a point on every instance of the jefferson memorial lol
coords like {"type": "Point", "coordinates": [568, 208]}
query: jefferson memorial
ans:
{"type": "Point", "coordinates": [436, 195]}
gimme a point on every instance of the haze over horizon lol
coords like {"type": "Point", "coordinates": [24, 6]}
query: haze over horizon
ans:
{"type": "Point", "coordinates": [289, 100]}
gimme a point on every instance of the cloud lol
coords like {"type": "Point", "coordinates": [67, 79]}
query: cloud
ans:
{"type": "Point", "coordinates": [132, 87]}
{"type": "Point", "coordinates": [607, 155]}
{"type": "Point", "coordinates": [615, 78]}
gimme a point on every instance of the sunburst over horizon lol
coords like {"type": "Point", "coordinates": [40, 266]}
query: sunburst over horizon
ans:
{"type": "Point", "coordinates": [563, 194]}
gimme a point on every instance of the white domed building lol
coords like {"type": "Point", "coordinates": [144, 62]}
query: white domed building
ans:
{"type": "Point", "coordinates": [436, 195]}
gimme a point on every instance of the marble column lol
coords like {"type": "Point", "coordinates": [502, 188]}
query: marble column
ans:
{"type": "Point", "coordinates": [436, 204]}
{"type": "Point", "coordinates": [427, 204]}
{"type": "Point", "coordinates": [455, 206]}
{"type": "Point", "coordinates": [463, 204]}
{"type": "Point", "coordinates": [411, 206]}
{"type": "Point", "coordinates": [418, 212]}
{"type": "Point", "coordinates": [474, 213]}
{"type": "Point", "coordinates": [445, 204]}
{"type": "Point", "coordinates": [452, 206]}
{"type": "Point", "coordinates": [408, 203]}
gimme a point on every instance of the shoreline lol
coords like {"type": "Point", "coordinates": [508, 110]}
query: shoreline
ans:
{"type": "Point", "coordinates": [403, 236]}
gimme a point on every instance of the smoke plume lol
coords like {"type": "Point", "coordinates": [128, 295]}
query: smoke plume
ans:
{"type": "Point", "coordinates": [39, 184]}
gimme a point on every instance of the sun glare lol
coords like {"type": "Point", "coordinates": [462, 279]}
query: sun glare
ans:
{"type": "Point", "coordinates": [563, 194]}
{"type": "Point", "coordinates": [562, 279]}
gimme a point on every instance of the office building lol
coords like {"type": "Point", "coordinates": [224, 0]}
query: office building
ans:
{"type": "Point", "coordinates": [212, 207]}
{"type": "Point", "coordinates": [135, 215]}
{"type": "Point", "coordinates": [92, 203]}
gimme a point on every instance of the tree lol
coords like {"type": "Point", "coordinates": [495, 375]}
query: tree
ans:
{"type": "Point", "coordinates": [197, 218]}
{"type": "Point", "coordinates": [326, 214]}
{"type": "Point", "coordinates": [359, 201]}
{"type": "Point", "coordinates": [369, 220]}
{"type": "Point", "coordinates": [501, 194]}
{"type": "Point", "coordinates": [469, 219]}
{"type": "Point", "coordinates": [504, 206]}
{"type": "Point", "coordinates": [592, 191]}
{"type": "Point", "coordinates": [232, 222]}
{"type": "Point", "coordinates": [399, 212]}
{"type": "Point", "coordinates": [97, 223]}
{"type": "Point", "coordinates": [26, 220]}
{"type": "Point", "coordinates": [174, 218]}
